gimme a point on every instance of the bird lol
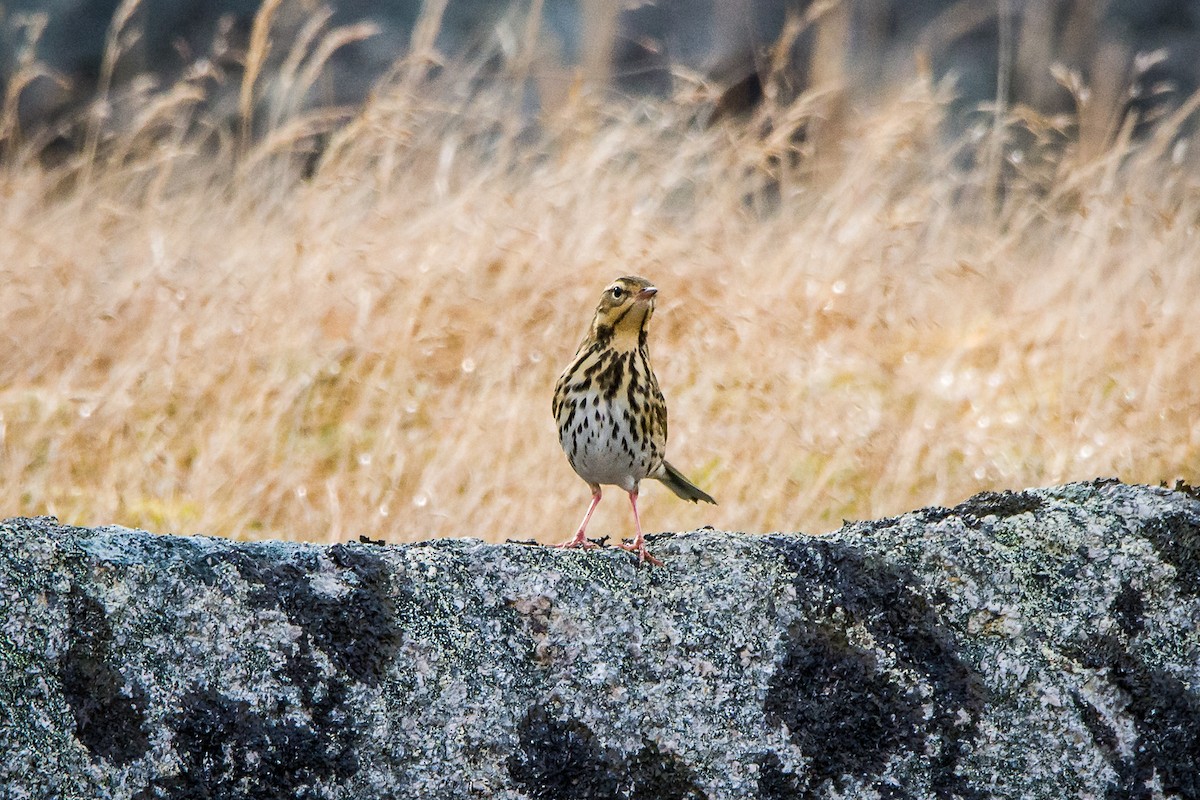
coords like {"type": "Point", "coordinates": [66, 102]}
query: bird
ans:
{"type": "Point", "coordinates": [611, 415]}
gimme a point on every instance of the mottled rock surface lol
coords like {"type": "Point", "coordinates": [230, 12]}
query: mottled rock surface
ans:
{"type": "Point", "coordinates": [1041, 644]}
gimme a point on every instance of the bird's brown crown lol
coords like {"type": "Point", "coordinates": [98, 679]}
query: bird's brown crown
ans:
{"type": "Point", "coordinates": [624, 312]}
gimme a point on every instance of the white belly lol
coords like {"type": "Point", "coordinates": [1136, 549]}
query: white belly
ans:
{"type": "Point", "coordinates": [602, 446]}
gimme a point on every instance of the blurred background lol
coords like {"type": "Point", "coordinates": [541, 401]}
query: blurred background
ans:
{"type": "Point", "coordinates": [310, 270]}
{"type": "Point", "coordinates": [1138, 55]}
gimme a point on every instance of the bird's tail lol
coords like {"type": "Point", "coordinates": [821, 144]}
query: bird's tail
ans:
{"type": "Point", "coordinates": [681, 486]}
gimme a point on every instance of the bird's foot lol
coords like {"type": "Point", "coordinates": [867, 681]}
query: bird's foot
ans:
{"type": "Point", "coordinates": [578, 540]}
{"type": "Point", "coordinates": [643, 554]}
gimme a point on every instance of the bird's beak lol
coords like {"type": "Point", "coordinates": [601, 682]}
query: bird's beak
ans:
{"type": "Point", "coordinates": [646, 294]}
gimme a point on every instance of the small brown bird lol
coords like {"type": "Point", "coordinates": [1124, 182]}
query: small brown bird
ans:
{"type": "Point", "coordinates": [612, 419]}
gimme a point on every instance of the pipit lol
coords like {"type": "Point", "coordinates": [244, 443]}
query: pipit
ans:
{"type": "Point", "coordinates": [612, 419]}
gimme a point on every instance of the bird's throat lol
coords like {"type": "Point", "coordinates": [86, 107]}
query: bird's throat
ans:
{"type": "Point", "coordinates": [627, 335]}
{"type": "Point", "coordinates": [626, 339]}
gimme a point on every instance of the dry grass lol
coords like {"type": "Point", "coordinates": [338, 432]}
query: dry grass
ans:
{"type": "Point", "coordinates": [199, 349]}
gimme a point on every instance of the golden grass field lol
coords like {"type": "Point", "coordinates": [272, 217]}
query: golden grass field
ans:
{"type": "Point", "coordinates": [847, 329]}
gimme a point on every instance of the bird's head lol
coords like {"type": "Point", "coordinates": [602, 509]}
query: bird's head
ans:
{"type": "Point", "coordinates": [624, 311]}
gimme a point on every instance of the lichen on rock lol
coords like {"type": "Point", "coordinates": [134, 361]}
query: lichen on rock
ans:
{"type": "Point", "coordinates": [1039, 644]}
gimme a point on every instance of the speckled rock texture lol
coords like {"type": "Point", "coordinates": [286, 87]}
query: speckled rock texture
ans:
{"type": "Point", "coordinates": [1041, 644]}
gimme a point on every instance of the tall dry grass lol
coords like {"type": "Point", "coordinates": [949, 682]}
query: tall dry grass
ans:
{"type": "Point", "coordinates": [197, 339]}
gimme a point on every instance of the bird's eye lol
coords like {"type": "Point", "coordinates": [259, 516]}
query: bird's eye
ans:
{"type": "Point", "coordinates": [617, 292]}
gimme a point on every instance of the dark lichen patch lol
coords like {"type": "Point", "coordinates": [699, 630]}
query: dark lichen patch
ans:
{"type": "Point", "coordinates": [933, 514]}
{"type": "Point", "coordinates": [1102, 732]}
{"type": "Point", "coordinates": [1129, 610]}
{"type": "Point", "coordinates": [985, 504]}
{"type": "Point", "coordinates": [227, 748]}
{"type": "Point", "coordinates": [1166, 716]}
{"type": "Point", "coordinates": [999, 504]}
{"type": "Point", "coordinates": [840, 709]}
{"type": "Point", "coordinates": [1165, 713]}
{"type": "Point", "coordinates": [655, 775]}
{"type": "Point", "coordinates": [885, 598]}
{"type": "Point", "coordinates": [1176, 537]}
{"type": "Point", "coordinates": [357, 631]}
{"type": "Point", "coordinates": [860, 589]}
{"type": "Point", "coordinates": [776, 783]}
{"type": "Point", "coordinates": [325, 700]}
{"type": "Point", "coordinates": [109, 711]}
{"type": "Point", "coordinates": [1126, 786]}
{"type": "Point", "coordinates": [563, 760]}
{"type": "Point", "coordinates": [269, 580]}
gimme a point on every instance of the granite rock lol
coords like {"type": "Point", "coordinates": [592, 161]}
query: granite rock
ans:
{"type": "Point", "coordinates": [1039, 644]}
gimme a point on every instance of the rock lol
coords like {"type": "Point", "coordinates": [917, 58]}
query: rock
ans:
{"type": "Point", "coordinates": [1040, 644]}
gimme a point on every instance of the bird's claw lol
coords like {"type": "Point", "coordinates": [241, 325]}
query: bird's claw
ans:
{"type": "Point", "coordinates": [642, 553]}
{"type": "Point", "coordinates": [577, 541]}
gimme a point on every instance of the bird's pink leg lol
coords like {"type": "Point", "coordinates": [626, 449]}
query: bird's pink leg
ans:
{"type": "Point", "coordinates": [580, 539]}
{"type": "Point", "coordinates": [639, 544]}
